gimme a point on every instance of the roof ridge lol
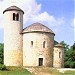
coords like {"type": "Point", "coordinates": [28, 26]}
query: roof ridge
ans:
{"type": "Point", "coordinates": [37, 27]}
{"type": "Point", "coordinates": [13, 8]}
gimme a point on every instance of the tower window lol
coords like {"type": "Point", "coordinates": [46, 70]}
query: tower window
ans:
{"type": "Point", "coordinates": [31, 43]}
{"type": "Point", "coordinates": [44, 44]}
{"type": "Point", "coordinates": [15, 17]}
{"type": "Point", "coordinates": [59, 54]}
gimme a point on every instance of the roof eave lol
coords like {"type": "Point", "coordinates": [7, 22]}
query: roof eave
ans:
{"type": "Point", "coordinates": [12, 10]}
{"type": "Point", "coordinates": [36, 32]}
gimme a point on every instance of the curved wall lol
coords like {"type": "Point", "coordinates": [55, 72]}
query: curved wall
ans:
{"type": "Point", "coordinates": [38, 45]}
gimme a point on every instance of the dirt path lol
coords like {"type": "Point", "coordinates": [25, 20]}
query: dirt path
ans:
{"type": "Point", "coordinates": [38, 71]}
{"type": "Point", "coordinates": [62, 70]}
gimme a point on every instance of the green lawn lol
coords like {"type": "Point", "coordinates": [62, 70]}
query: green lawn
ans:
{"type": "Point", "coordinates": [23, 71]}
{"type": "Point", "coordinates": [56, 72]}
{"type": "Point", "coordinates": [65, 73]}
{"type": "Point", "coordinates": [15, 71]}
{"type": "Point", "coordinates": [68, 73]}
{"type": "Point", "coordinates": [50, 71]}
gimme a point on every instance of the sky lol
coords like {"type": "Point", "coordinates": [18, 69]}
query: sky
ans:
{"type": "Point", "coordinates": [58, 15]}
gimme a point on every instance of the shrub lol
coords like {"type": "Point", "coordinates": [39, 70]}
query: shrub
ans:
{"type": "Point", "coordinates": [1, 53]}
{"type": "Point", "coordinates": [2, 67]}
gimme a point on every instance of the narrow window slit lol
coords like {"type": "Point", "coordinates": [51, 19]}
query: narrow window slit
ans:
{"type": "Point", "coordinates": [44, 44]}
{"type": "Point", "coordinates": [59, 54]}
{"type": "Point", "coordinates": [31, 43]}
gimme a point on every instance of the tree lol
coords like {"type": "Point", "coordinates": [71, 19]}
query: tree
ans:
{"type": "Point", "coordinates": [73, 56]}
{"type": "Point", "coordinates": [1, 53]}
{"type": "Point", "coordinates": [73, 52]}
{"type": "Point", "coordinates": [69, 55]}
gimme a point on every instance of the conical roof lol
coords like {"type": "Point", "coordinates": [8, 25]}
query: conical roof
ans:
{"type": "Point", "coordinates": [58, 45]}
{"type": "Point", "coordinates": [13, 8]}
{"type": "Point", "coordinates": [37, 27]}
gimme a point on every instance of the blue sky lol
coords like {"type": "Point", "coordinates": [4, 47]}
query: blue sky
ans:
{"type": "Point", "coordinates": [58, 15]}
{"type": "Point", "coordinates": [61, 8]}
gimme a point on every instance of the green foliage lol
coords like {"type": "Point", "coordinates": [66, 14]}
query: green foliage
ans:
{"type": "Point", "coordinates": [74, 46]}
{"type": "Point", "coordinates": [1, 53]}
{"type": "Point", "coordinates": [15, 71]}
{"type": "Point", "coordinates": [2, 67]}
{"type": "Point", "coordinates": [38, 71]}
{"type": "Point", "coordinates": [69, 55]}
{"type": "Point", "coordinates": [73, 52]}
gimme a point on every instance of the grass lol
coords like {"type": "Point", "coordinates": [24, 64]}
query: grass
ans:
{"type": "Point", "coordinates": [68, 73]}
{"type": "Point", "coordinates": [15, 71]}
{"type": "Point", "coordinates": [55, 72]}
{"type": "Point", "coordinates": [50, 71]}
{"type": "Point", "coordinates": [38, 70]}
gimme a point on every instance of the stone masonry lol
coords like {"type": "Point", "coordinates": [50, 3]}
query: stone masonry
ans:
{"type": "Point", "coordinates": [58, 60]}
{"type": "Point", "coordinates": [31, 46]}
{"type": "Point", "coordinates": [13, 40]}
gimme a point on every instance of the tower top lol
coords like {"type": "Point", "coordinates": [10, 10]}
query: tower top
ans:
{"type": "Point", "coordinates": [11, 8]}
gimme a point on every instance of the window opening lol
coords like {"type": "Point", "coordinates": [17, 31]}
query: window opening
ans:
{"type": "Point", "coordinates": [15, 17]}
{"type": "Point", "coordinates": [31, 43]}
{"type": "Point", "coordinates": [44, 44]}
{"type": "Point", "coordinates": [59, 54]}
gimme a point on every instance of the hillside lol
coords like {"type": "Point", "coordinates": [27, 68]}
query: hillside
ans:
{"type": "Point", "coordinates": [34, 71]}
{"type": "Point", "coordinates": [49, 71]}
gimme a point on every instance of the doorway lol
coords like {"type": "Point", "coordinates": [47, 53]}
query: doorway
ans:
{"type": "Point", "coordinates": [40, 61]}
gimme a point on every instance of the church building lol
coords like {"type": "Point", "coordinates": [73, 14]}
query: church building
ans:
{"type": "Point", "coordinates": [31, 46]}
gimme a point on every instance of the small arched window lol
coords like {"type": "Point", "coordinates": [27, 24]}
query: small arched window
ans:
{"type": "Point", "coordinates": [59, 54]}
{"type": "Point", "coordinates": [31, 43]}
{"type": "Point", "coordinates": [15, 17]}
{"type": "Point", "coordinates": [44, 44]}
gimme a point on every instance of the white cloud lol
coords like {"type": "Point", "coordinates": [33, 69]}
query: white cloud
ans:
{"type": "Point", "coordinates": [1, 0]}
{"type": "Point", "coordinates": [32, 12]}
{"type": "Point", "coordinates": [30, 7]}
{"type": "Point", "coordinates": [50, 19]}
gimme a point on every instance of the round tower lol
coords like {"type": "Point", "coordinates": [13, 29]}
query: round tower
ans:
{"type": "Point", "coordinates": [58, 58]}
{"type": "Point", "coordinates": [13, 39]}
{"type": "Point", "coordinates": [38, 43]}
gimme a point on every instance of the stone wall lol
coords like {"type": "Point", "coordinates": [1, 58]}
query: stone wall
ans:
{"type": "Point", "coordinates": [58, 58]}
{"type": "Point", "coordinates": [13, 57]}
{"type": "Point", "coordinates": [31, 54]}
{"type": "Point", "coordinates": [13, 40]}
